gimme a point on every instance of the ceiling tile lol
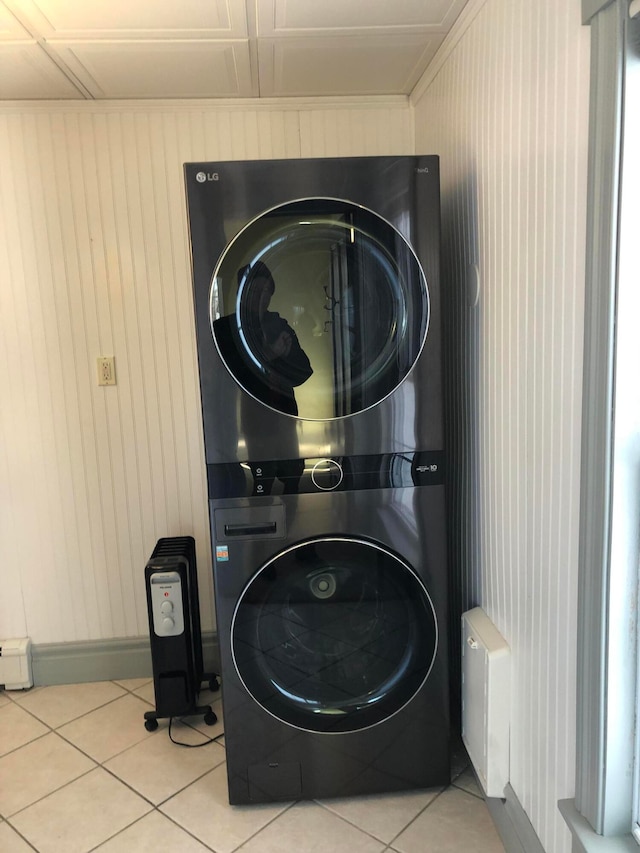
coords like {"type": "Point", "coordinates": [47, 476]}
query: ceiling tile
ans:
{"type": "Point", "coordinates": [71, 19]}
{"type": "Point", "coordinates": [153, 69]}
{"type": "Point", "coordinates": [344, 66]}
{"type": "Point", "coordinates": [297, 17]}
{"type": "Point", "coordinates": [26, 72]}
{"type": "Point", "coordinates": [218, 48]}
{"type": "Point", "coordinates": [10, 28]}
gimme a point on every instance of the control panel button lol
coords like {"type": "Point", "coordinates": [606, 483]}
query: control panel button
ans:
{"type": "Point", "coordinates": [327, 474]}
{"type": "Point", "coordinates": [166, 607]}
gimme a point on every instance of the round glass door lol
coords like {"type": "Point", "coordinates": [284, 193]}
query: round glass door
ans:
{"type": "Point", "coordinates": [334, 635]}
{"type": "Point", "coordinates": [319, 308]}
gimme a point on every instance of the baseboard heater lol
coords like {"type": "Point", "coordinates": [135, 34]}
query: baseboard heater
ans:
{"type": "Point", "coordinates": [15, 664]}
{"type": "Point", "coordinates": [486, 694]}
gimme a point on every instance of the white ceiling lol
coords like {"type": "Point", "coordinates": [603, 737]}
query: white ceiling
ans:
{"type": "Point", "coordinates": [84, 49]}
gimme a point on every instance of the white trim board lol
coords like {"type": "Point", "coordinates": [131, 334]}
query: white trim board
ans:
{"type": "Point", "coordinates": [226, 104]}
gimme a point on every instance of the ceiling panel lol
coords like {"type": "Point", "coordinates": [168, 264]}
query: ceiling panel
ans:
{"type": "Point", "coordinates": [72, 19]}
{"type": "Point", "coordinates": [26, 72]}
{"type": "Point", "coordinates": [281, 17]}
{"type": "Point", "coordinates": [218, 48]}
{"type": "Point", "coordinates": [152, 69]}
{"type": "Point", "coordinates": [325, 66]}
{"type": "Point", "coordinates": [10, 28]}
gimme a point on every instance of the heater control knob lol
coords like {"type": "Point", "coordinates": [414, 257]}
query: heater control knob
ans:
{"type": "Point", "coordinates": [165, 599]}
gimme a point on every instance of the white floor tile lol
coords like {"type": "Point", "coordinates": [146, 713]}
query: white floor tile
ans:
{"type": "Point", "coordinates": [309, 827]}
{"type": "Point", "coordinates": [203, 810]}
{"type": "Point", "coordinates": [17, 727]}
{"type": "Point", "coordinates": [4, 699]}
{"type": "Point", "coordinates": [384, 815]}
{"type": "Point", "coordinates": [158, 768]}
{"type": "Point", "coordinates": [468, 782]}
{"type": "Point", "coordinates": [81, 815]}
{"type": "Point", "coordinates": [36, 770]}
{"type": "Point", "coordinates": [455, 822]}
{"type": "Point", "coordinates": [147, 692]}
{"type": "Point", "coordinates": [10, 841]}
{"type": "Point", "coordinates": [58, 704]}
{"type": "Point", "coordinates": [133, 683]}
{"type": "Point", "coordinates": [153, 833]}
{"type": "Point", "coordinates": [109, 730]}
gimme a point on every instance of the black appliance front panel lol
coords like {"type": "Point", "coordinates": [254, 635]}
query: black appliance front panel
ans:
{"type": "Point", "coordinates": [346, 357]}
{"type": "Point", "coordinates": [275, 750]}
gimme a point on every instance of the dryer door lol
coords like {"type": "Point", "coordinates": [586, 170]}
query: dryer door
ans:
{"type": "Point", "coordinates": [319, 308]}
{"type": "Point", "coordinates": [334, 635]}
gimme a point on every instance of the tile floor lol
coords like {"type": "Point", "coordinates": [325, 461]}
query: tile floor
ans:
{"type": "Point", "coordinates": [79, 772]}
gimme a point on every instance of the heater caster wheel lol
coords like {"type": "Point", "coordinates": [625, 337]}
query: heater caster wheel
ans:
{"type": "Point", "coordinates": [214, 685]}
{"type": "Point", "coordinates": [210, 718]}
{"type": "Point", "coordinates": [151, 725]}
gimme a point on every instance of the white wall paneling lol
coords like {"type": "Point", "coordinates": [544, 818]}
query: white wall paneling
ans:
{"type": "Point", "coordinates": [94, 260]}
{"type": "Point", "coordinates": [507, 111]}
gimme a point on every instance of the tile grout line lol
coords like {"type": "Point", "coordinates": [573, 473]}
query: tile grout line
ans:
{"type": "Point", "coordinates": [73, 719]}
{"type": "Point", "coordinates": [366, 832]}
{"type": "Point", "coordinates": [466, 791]}
{"type": "Point", "coordinates": [171, 796]}
{"type": "Point", "coordinates": [21, 836]}
{"type": "Point", "coordinates": [420, 813]}
{"type": "Point", "coordinates": [44, 796]}
{"type": "Point", "coordinates": [26, 743]}
{"type": "Point", "coordinates": [268, 823]}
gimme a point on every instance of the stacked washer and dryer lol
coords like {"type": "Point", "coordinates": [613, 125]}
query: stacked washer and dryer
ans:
{"type": "Point", "coordinates": [317, 306]}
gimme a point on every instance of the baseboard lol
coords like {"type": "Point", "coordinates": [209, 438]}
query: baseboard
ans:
{"type": "Point", "coordinates": [513, 825]}
{"type": "Point", "coordinates": [103, 660]}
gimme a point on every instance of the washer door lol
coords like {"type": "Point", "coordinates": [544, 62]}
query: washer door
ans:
{"type": "Point", "coordinates": [319, 308]}
{"type": "Point", "coordinates": [334, 635]}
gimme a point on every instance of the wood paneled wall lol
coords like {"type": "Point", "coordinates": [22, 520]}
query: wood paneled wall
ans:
{"type": "Point", "coordinates": [506, 109]}
{"type": "Point", "coordinates": [94, 260]}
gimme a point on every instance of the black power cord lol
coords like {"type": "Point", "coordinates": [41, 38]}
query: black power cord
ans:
{"type": "Point", "coordinates": [191, 745]}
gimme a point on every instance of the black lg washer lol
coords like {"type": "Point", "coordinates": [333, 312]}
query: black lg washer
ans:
{"type": "Point", "coordinates": [331, 621]}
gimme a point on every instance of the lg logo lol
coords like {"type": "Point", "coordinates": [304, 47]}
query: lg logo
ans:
{"type": "Point", "coordinates": [201, 177]}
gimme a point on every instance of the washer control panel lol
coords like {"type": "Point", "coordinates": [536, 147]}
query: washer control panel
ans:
{"type": "Point", "coordinates": [325, 474]}
{"type": "Point", "coordinates": [166, 603]}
